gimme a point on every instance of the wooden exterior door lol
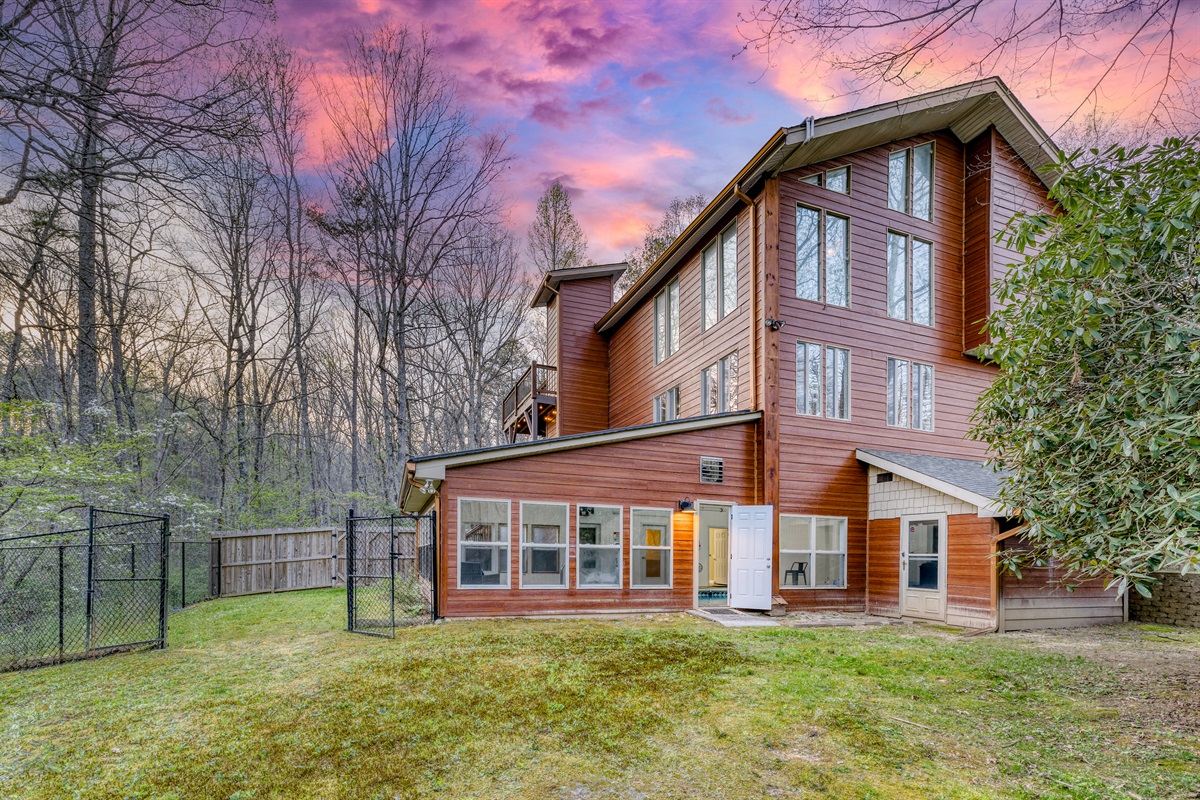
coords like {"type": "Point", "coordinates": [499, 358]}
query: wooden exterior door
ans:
{"type": "Point", "coordinates": [718, 556]}
{"type": "Point", "coordinates": [923, 566]}
{"type": "Point", "coordinates": [751, 541]}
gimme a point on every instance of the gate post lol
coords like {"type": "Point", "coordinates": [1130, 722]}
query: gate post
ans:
{"type": "Point", "coordinates": [435, 568]}
{"type": "Point", "coordinates": [164, 566]}
{"type": "Point", "coordinates": [393, 554]}
{"type": "Point", "coordinates": [88, 632]}
{"type": "Point", "coordinates": [348, 570]}
{"type": "Point", "coordinates": [60, 603]}
{"type": "Point", "coordinates": [182, 574]}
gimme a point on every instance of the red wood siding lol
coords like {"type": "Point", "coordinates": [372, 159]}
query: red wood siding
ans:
{"type": "Point", "coordinates": [1040, 599]}
{"type": "Point", "coordinates": [818, 471]}
{"type": "Point", "coordinates": [883, 567]}
{"type": "Point", "coordinates": [652, 473]}
{"type": "Point", "coordinates": [582, 355]}
{"type": "Point", "coordinates": [636, 380]}
{"type": "Point", "coordinates": [969, 570]}
{"type": "Point", "coordinates": [1015, 188]}
{"type": "Point", "coordinates": [977, 244]}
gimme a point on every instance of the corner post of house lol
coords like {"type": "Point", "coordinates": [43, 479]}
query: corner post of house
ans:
{"type": "Point", "coordinates": [770, 334]}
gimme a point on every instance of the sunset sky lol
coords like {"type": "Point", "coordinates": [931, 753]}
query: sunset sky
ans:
{"type": "Point", "coordinates": [631, 104]}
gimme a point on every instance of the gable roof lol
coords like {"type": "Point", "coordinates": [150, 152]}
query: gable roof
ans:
{"type": "Point", "coordinates": [967, 110]}
{"type": "Point", "coordinates": [974, 482]}
{"type": "Point", "coordinates": [549, 285]}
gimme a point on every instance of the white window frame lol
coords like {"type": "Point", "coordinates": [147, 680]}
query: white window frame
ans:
{"type": "Point", "coordinates": [494, 544]}
{"type": "Point", "coordinates": [717, 275]}
{"type": "Point", "coordinates": [912, 396]}
{"type": "Point", "coordinates": [666, 306]}
{"type": "Point", "coordinates": [908, 272]}
{"type": "Point", "coordinates": [813, 552]}
{"type": "Point", "coordinates": [822, 259]}
{"type": "Point", "coordinates": [720, 367]}
{"type": "Point", "coordinates": [822, 179]}
{"type": "Point", "coordinates": [669, 400]}
{"type": "Point", "coordinates": [669, 548]}
{"type": "Point", "coordinates": [565, 547]}
{"type": "Point", "coordinates": [910, 171]}
{"type": "Point", "coordinates": [824, 352]}
{"type": "Point", "coordinates": [619, 547]}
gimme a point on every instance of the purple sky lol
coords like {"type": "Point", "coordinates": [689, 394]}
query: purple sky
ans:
{"type": "Point", "coordinates": [631, 104]}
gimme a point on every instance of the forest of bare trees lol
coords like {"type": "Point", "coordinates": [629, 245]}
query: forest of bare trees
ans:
{"type": "Point", "coordinates": [203, 310]}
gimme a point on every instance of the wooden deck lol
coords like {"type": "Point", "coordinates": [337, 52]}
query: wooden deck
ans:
{"type": "Point", "coordinates": [532, 404]}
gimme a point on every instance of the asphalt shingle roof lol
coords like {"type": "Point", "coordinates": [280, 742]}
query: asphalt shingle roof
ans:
{"type": "Point", "coordinates": [975, 476]}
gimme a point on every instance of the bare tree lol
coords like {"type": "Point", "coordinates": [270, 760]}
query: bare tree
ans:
{"type": "Point", "coordinates": [555, 239]}
{"type": "Point", "coordinates": [424, 174]}
{"type": "Point", "coordinates": [678, 215]}
{"type": "Point", "coordinates": [902, 41]}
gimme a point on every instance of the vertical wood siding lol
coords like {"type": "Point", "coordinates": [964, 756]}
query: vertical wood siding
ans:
{"type": "Point", "coordinates": [883, 567]}
{"type": "Point", "coordinates": [649, 473]}
{"type": "Point", "coordinates": [582, 355]}
{"type": "Point", "coordinates": [969, 570]}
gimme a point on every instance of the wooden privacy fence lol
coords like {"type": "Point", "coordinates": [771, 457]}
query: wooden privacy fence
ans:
{"type": "Point", "coordinates": [279, 560]}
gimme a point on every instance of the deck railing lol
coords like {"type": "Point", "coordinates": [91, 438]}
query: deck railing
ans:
{"type": "Point", "coordinates": [540, 380]}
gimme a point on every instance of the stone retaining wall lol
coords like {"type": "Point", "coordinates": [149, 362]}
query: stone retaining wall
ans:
{"type": "Point", "coordinates": [1176, 601]}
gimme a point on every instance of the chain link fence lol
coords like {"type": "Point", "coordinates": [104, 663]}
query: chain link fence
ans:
{"type": "Point", "coordinates": [390, 573]}
{"type": "Point", "coordinates": [85, 592]}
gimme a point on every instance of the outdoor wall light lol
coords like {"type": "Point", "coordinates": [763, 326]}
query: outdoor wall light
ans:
{"type": "Point", "coordinates": [686, 504]}
{"type": "Point", "coordinates": [775, 324]}
{"type": "Point", "coordinates": [427, 488]}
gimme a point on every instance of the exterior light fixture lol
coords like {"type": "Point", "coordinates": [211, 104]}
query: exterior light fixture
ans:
{"type": "Point", "coordinates": [686, 504]}
{"type": "Point", "coordinates": [427, 488]}
{"type": "Point", "coordinates": [774, 324]}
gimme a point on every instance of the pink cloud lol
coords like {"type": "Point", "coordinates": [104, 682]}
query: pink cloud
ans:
{"type": "Point", "coordinates": [722, 112]}
{"type": "Point", "coordinates": [650, 80]}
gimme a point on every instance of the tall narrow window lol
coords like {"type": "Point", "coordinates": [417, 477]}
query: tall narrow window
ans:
{"type": "Point", "coordinates": [922, 181]}
{"type": "Point", "coordinates": [808, 249]}
{"type": "Point", "coordinates": [897, 392]}
{"type": "Point", "coordinates": [897, 281]}
{"type": "Point", "coordinates": [729, 276]}
{"type": "Point", "coordinates": [666, 322]}
{"type": "Point", "coordinates": [837, 383]}
{"type": "Point", "coordinates": [666, 405]}
{"type": "Point", "coordinates": [907, 408]}
{"type": "Point", "coordinates": [833, 374]}
{"type": "Point", "coordinates": [898, 181]}
{"type": "Point", "coordinates": [808, 379]}
{"type": "Point", "coordinates": [719, 386]}
{"type": "Point", "coordinates": [483, 543]}
{"type": "Point", "coordinates": [910, 181]}
{"type": "Point", "coordinates": [922, 397]}
{"type": "Point", "coordinates": [922, 282]}
{"type": "Point", "coordinates": [709, 268]}
{"type": "Point", "coordinates": [718, 267]}
{"type": "Point", "coordinates": [598, 563]}
{"type": "Point", "coordinates": [910, 278]}
{"type": "Point", "coordinates": [822, 257]}
{"type": "Point", "coordinates": [650, 548]}
{"type": "Point", "coordinates": [544, 545]}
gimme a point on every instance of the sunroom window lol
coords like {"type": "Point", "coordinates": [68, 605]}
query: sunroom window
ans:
{"type": "Point", "coordinates": [483, 543]}
{"type": "Point", "coordinates": [599, 559]}
{"type": "Point", "coordinates": [544, 545]}
{"type": "Point", "coordinates": [650, 548]}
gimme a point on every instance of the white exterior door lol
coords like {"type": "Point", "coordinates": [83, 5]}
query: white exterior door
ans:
{"type": "Point", "coordinates": [751, 540]}
{"type": "Point", "coordinates": [923, 566]}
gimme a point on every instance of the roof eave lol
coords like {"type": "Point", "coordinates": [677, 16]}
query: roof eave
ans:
{"type": "Point", "coordinates": [986, 507]}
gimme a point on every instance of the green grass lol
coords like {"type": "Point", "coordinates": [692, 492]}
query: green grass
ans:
{"type": "Point", "coordinates": [267, 697]}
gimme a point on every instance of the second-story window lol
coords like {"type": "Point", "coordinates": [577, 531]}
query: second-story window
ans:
{"type": "Point", "coordinates": [666, 322]}
{"type": "Point", "coordinates": [822, 257]}
{"type": "Point", "coordinates": [835, 180]}
{"type": "Point", "coordinates": [909, 394]}
{"type": "Point", "coordinates": [910, 181]}
{"type": "Point", "coordinates": [910, 278]}
{"type": "Point", "coordinates": [718, 266]}
{"type": "Point", "coordinates": [719, 386]}
{"type": "Point", "coordinates": [666, 405]}
{"type": "Point", "coordinates": [833, 372]}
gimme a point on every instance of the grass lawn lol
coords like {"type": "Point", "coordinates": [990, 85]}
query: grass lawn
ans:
{"type": "Point", "coordinates": [267, 697]}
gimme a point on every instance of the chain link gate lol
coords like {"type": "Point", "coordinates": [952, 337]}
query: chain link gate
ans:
{"type": "Point", "coordinates": [391, 572]}
{"type": "Point", "coordinates": [84, 592]}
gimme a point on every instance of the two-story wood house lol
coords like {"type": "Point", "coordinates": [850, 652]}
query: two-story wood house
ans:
{"type": "Point", "coordinates": [780, 406]}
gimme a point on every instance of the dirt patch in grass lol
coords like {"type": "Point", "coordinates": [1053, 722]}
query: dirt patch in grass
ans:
{"type": "Point", "coordinates": [1157, 668]}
